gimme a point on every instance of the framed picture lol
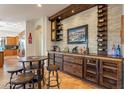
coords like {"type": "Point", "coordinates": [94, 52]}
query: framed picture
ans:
{"type": "Point", "coordinates": [78, 35]}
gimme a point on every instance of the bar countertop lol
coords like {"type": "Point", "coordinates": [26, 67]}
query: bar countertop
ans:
{"type": "Point", "coordinates": [104, 57]}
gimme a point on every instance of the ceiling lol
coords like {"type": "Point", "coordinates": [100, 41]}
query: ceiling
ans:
{"type": "Point", "coordinates": [12, 16]}
{"type": "Point", "coordinates": [21, 12]}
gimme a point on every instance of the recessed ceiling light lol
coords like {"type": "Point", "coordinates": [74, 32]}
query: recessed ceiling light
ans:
{"type": "Point", "coordinates": [39, 5]}
{"type": "Point", "coordinates": [72, 11]}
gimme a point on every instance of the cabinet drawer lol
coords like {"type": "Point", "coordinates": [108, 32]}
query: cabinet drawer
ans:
{"type": "Point", "coordinates": [73, 69]}
{"type": "Point", "coordinates": [68, 58]}
{"type": "Point", "coordinates": [73, 59]}
{"type": "Point", "coordinates": [78, 60]}
{"type": "Point", "coordinates": [59, 55]}
{"type": "Point", "coordinates": [57, 59]}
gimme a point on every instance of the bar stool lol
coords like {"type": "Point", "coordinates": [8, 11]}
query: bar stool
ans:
{"type": "Point", "coordinates": [13, 71]}
{"type": "Point", "coordinates": [53, 68]}
{"type": "Point", "coordinates": [33, 68]}
{"type": "Point", "coordinates": [22, 80]}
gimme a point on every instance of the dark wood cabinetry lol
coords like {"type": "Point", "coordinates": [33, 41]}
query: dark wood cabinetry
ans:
{"type": "Point", "coordinates": [111, 73]}
{"type": "Point", "coordinates": [73, 65]}
{"type": "Point", "coordinates": [91, 69]}
{"type": "Point", "coordinates": [104, 71]}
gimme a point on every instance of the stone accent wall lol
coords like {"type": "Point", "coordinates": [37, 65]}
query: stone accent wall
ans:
{"type": "Point", "coordinates": [90, 17]}
{"type": "Point", "coordinates": [114, 25]}
{"type": "Point", "coordinates": [87, 17]}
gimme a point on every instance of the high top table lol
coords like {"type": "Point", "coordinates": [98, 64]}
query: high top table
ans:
{"type": "Point", "coordinates": [31, 59]}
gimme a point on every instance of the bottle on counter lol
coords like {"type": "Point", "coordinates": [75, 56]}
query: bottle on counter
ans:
{"type": "Point", "coordinates": [113, 50]}
{"type": "Point", "coordinates": [118, 51]}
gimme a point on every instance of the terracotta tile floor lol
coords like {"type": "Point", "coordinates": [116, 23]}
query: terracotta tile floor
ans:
{"type": "Point", "coordinates": [68, 81]}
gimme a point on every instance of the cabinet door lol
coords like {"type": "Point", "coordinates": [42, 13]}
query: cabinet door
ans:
{"type": "Point", "coordinates": [110, 73]}
{"type": "Point", "coordinates": [73, 69]}
{"type": "Point", "coordinates": [11, 41]}
{"type": "Point", "coordinates": [91, 70]}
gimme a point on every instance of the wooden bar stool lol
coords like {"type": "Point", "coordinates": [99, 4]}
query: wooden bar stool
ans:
{"type": "Point", "coordinates": [33, 68]}
{"type": "Point", "coordinates": [53, 68]}
{"type": "Point", "coordinates": [12, 71]}
{"type": "Point", "coordinates": [22, 80]}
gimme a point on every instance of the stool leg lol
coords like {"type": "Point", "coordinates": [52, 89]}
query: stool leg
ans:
{"type": "Point", "coordinates": [57, 78]}
{"type": "Point", "coordinates": [10, 80]}
{"type": "Point", "coordinates": [49, 80]}
{"type": "Point", "coordinates": [53, 73]}
{"type": "Point", "coordinates": [14, 86]}
{"type": "Point", "coordinates": [24, 86]}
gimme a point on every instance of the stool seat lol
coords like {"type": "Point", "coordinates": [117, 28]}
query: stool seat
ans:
{"type": "Point", "coordinates": [53, 67]}
{"type": "Point", "coordinates": [23, 78]}
{"type": "Point", "coordinates": [15, 70]}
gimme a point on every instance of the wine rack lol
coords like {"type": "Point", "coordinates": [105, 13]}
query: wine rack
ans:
{"type": "Point", "coordinates": [91, 69]}
{"type": "Point", "coordinates": [102, 29]}
{"type": "Point", "coordinates": [110, 73]}
{"type": "Point", "coordinates": [56, 30]}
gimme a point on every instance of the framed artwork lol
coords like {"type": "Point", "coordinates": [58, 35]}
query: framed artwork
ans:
{"type": "Point", "coordinates": [78, 35]}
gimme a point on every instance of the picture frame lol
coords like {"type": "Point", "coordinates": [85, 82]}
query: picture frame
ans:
{"type": "Point", "coordinates": [78, 35]}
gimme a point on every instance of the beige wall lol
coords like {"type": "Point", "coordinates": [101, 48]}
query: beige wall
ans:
{"type": "Point", "coordinates": [40, 38]}
{"type": "Point", "coordinates": [90, 17]}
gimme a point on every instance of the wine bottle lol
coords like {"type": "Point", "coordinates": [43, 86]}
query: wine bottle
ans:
{"type": "Point", "coordinates": [100, 39]}
{"type": "Point", "coordinates": [100, 44]}
{"type": "Point", "coordinates": [102, 20]}
{"type": "Point", "coordinates": [100, 6]}
{"type": "Point", "coordinates": [101, 49]}
{"type": "Point", "coordinates": [102, 29]}
{"type": "Point", "coordinates": [100, 11]}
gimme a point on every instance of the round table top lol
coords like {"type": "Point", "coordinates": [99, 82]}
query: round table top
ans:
{"type": "Point", "coordinates": [32, 58]}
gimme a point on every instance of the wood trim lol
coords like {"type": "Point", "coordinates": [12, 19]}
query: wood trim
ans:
{"type": "Point", "coordinates": [67, 12]}
{"type": "Point", "coordinates": [122, 29]}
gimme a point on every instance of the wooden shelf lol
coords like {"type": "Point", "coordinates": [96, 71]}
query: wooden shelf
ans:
{"type": "Point", "coordinates": [107, 76]}
{"type": "Point", "coordinates": [90, 71]}
{"type": "Point", "coordinates": [91, 64]}
{"type": "Point", "coordinates": [56, 30]}
{"type": "Point", "coordinates": [108, 67]}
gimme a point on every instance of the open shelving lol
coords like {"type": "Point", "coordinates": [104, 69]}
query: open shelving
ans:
{"type": "Point", "coordinates": [56, 30]}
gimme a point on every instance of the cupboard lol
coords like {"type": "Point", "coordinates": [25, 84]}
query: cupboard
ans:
{"type": "Point", "coordinates": [102, 70]}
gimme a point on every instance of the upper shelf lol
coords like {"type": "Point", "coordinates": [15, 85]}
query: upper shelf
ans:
{"type": "Point", "coordinates": [71, 10]}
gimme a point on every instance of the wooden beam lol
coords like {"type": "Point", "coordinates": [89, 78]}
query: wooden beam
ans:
{"type": "Point", "coordinates": [71, 10]}
{"type": "Point", "coordinates": [122, 29]}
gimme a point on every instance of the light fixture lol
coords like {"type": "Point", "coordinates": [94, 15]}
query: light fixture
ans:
{"type": "Point", "coordinates": [72, 11]}
{"type": "Point", "coordinates": [39, 5]}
